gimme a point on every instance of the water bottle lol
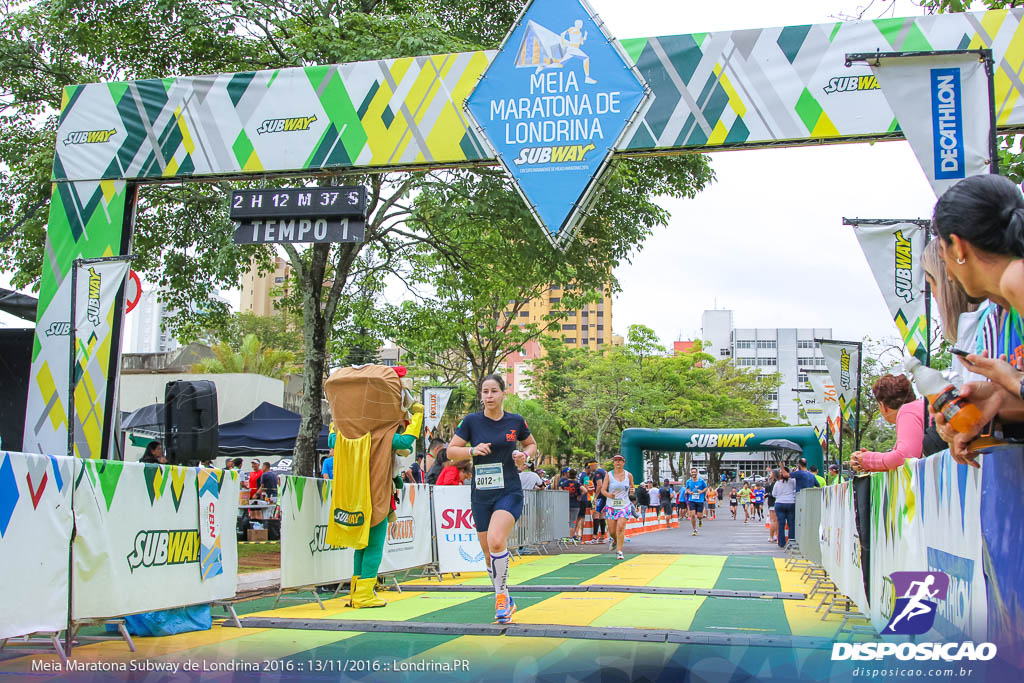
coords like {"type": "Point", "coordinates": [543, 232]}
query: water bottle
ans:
{"type": "Point", "coordinates": [962, 415]}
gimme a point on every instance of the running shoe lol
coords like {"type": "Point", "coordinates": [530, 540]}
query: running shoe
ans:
{"type": "Point", "coordinates": [694, 533]}
{"type": "Point", "coordinates": [611, 544]}
{"type": "Point", "coordinates": [700, 521]}
{"type": "Point", "coordinates": [619, 556]}
{"type": "Point", "coordinates": [504, 608]}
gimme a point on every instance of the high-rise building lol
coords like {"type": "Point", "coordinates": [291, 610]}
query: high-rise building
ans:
{"type": "Point", "coordinates": [786, 351]}
{"type": "Point", "coordinates": [258, 291]}
{"type": "Point", "coordinates": [148, 333]}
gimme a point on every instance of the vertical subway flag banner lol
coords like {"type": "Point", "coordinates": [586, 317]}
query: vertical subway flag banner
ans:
{"type": "Point", "coordinates": [435, 402]}
{"type": "Point", "coordinates": [843, 362]}
{"type": "Point", "coordinates": [97, 285]}
{"type": "Point", "coordinates": [942, 105]}
{"type": "Point", "coordinates": [554, 103]}
{"type": "Point", "coordinates": [894, 254]}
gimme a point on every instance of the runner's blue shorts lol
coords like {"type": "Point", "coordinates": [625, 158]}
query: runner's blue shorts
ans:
{"type": "Point", "coordinates": [511, 502]}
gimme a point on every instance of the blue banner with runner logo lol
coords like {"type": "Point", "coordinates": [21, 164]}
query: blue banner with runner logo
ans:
{"type": "Point", "coordinates": [554, 103]}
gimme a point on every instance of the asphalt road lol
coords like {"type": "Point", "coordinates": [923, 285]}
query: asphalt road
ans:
{"type": "Point", "coordinates": [723, 536]}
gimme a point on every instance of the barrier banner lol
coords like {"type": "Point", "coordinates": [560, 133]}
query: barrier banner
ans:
{"type": "Point", "coordinates": [458, 549]}
{"type": "Point", "coordinates": [137, 547]}
{"type": "Point", "coordinates": [840, 542]}
{"type": "Point", "coordinates": [306, 559]}
{"type": "Point", "coordinates": [894, 254]}
{"type": "Point", "coordinates": [435, 402]}
{"type": "Point", "coordinates": [96, 289]}
{"type": "Point", "coordinates": [949, 503]}
{"type": "Point", "coordinates": [895, 537]}
{"type": "Point", "coordinates": [942, 105]}
{"type": "Point", "coordinates": [1002, 508]}
{"type": "Point", "coordinates": [208, 483]}
{"type": "Point", "coordinates": [808, 519]}
{"type": "Point", "coordinates": [408, 542]}
{"type": "Point", "coordinates": [843, 362]}
{"type": "Point", "coordinates": [35, 538]}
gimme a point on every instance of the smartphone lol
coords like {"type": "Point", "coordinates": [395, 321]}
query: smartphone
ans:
{"type": "Point", "coordinates": [963, 354]}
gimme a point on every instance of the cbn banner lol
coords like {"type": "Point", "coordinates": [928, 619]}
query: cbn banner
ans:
{"type": "Point", "coordinates": [942, 105]}
{"type": "Point", "coordinates": [435, 402]}
{"type": "Point", "coordinates": [840, 543]}
{"type": "Point", "coordinates": [138, 543]}
{"type": "Point", "coordinates": [409, 540]}
{"type": "Point", "coordinates": [894, 254]}
{"type": "Point", "coordinates": [843, 362]}
{"type": "Point", "coordinates": [458, 549]}
{"type": "Point", "coordinates": [306, 559]}
{"type": "Point", "coordinates": [35, 539]}
{"type": "Point", "coordinates": [96, 286]}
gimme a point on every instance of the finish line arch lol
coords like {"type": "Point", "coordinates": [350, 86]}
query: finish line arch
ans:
{"type": "Point", "coordinates": [635, 441]}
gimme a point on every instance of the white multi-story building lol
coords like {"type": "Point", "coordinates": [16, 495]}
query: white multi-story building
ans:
{"type": "Point", "coordinates": [146, 324]}
{"type": "Point", "coordinates": [784, 350]}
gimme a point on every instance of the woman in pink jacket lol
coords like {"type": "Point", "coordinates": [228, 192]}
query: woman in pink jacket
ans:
{"type": "Point", "coordinates": [899, 406]}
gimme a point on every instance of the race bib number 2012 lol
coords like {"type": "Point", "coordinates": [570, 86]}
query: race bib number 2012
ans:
{"type": "Point", "coordinates": [489, 477]}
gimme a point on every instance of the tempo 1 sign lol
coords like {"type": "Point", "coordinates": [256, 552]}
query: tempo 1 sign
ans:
{"type": "Point", "coordinates": [305, 214]}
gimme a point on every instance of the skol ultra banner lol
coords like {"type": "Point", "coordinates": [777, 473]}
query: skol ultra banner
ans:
{"type": "Point", "coordinates": [843, 362]}
{"type": "Point", "coordinates": [840, 543]}
{"type": "Point", "coordinates": [435, 402]}
{"type": "Point", "coordinates": [35, 539]}
{"type": "Point", "coordinates": [138, 545]}
{"type": "Point", "coordinates": [306, 558]}
{"type": "Point", "coordinates": [458, 548]}
{"type": "Point", "coordinates": [826, 395]}
{"type": "Point", "coordinates": [894, 254]}
{"type": "Point", "coordinates": [942, 105]}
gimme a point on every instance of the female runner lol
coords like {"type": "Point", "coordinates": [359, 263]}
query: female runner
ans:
{"type": "Point", "coordinates": [617, 487]}
{"type": "Point", "coordinates": [497, 494]}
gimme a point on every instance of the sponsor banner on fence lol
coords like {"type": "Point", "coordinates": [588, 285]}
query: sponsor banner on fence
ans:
{"type": "Point", "coordinates": [840, 542]}
{"type": "Point", "coordinates": [408, 542]}
{"type": "Point", "coordinates": [458, 549]}
{"type": "Point", "coordinates": [942, 105]}
{"type": "Point", "coordinates": [138, 545]}
{"type": "Point", "coordinates": [35, 538]}
{"type": "Point", "coordinates": [306, 559]}
{"type": "Point", "coordinates": [894, 254]}
{"type": "Point", "coordinates": [926, 517]}
{"type": "Point", "coordinates": [208, 483]}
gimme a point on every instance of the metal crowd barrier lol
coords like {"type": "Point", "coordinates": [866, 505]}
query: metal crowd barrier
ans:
{"type": "Point", "coordinates": [808, 522]}
{"type": "Point", "coordinates": [543, 519]}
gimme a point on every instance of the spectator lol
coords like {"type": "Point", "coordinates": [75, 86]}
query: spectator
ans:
{"type": "Point", "coordinates": [254, 478]}
{"type": "Point", "coordinates": [665, 495]}
{"type": "Point", "coordinates": [654, 493]}
{"type": "Point", "coordinates": [415, 474]}
{"type": "Point", "coordinates": [813, 469]}
{"type": "Point", "coordinates": [569, 484]}
{"type": "Point", "coordinates": [235, 464]}
{"type": "Point", "coordinates": [529, 479]}
{"type": "Point", "coordinates": [154, 453]}
{"type": "Point", "coordinates": [833, 475]}
{"type": "Point", "coordinates": [784, 491]}
{"type": "Point", "coordinates": [803, 478]}
{"type": "Point", "coordinates": [327, 469]}
{"type": "Point", "coordinates": [643, 500]}
{"type": "Point", "coordinates": [898, 405]}
{"type": "Point", "coordinates": [439, 453]}
{"type": "Point", "coordinates": [268, 483]}
{"type": "Point", "coordinates": [455, 473]}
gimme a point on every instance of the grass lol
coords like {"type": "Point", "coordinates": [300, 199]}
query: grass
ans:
{"type": "Point", "coordinates": [256, 557]}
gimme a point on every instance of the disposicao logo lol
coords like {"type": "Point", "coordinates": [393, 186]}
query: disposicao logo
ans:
{"type": "Point", "coordinates": [85, 137]}
{"type": "Point", "coordinates": [947, 124]}
{"type": "Point", "coordinates": [914, 613]}
{"type": "Point", "coordinates": [286, 125]}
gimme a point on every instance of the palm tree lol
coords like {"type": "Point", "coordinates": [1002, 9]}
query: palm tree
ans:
{"type": "Point", "coordinates": [251, 357]}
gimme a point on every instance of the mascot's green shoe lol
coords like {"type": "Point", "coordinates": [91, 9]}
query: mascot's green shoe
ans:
{"type": "Point", "coordinates": [363, 595]}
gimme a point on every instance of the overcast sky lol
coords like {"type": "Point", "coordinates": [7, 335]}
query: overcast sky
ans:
{"type": "Point", "coordinates": [766, 239]}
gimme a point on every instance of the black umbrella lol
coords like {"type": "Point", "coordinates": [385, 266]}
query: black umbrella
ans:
{"type": "Point", "coordinates": [16, 303]}
{"type": "Point", "coordinates": [783, 445]}
{"type": "Point", "coordinates": [146, 419]}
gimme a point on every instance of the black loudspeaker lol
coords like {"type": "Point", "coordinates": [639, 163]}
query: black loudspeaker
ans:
{"type": "Point", "coordinates": [190, 421]}
{"type": "Point", "coordinates": [15, 366]}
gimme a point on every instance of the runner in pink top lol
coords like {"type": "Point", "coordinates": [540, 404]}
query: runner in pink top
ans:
{"type": "Point", "coordinates": [899, 406]}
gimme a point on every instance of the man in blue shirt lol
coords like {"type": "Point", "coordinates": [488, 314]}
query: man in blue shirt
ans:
{"type": "Point", "coordinates": [695, 490]}
{"type": "Point", "coordinates": [803, 478]}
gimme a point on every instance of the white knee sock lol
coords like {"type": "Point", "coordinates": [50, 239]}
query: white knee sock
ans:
{"type": "Point", "coordinates": [499, 573]}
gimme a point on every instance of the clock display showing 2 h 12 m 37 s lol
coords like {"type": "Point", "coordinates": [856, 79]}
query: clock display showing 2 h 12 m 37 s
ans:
{"type": "Point", "coordinates": [307, 214]}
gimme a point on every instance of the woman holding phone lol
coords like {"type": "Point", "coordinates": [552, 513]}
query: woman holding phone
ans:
{"type": "Point", "coordinates": [497, 494]}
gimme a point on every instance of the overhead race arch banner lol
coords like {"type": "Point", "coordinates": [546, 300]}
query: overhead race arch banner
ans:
{"type": "Point", "coordinates": [942, 104]}
{"type": "Point", "coordinates": [894, 254]}
{"type": "Point", "coordinates": [749, 88]}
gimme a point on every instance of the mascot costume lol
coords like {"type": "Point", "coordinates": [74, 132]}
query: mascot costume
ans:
{"type": "Point", "coordinates": [375, 425]}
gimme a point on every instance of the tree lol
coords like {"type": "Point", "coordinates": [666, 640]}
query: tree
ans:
{"type": "Point", "coordinates": [250, 357]}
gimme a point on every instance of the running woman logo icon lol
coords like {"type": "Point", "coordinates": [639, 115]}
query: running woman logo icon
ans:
{"type": "Point", "coordinates": [914, 613]}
